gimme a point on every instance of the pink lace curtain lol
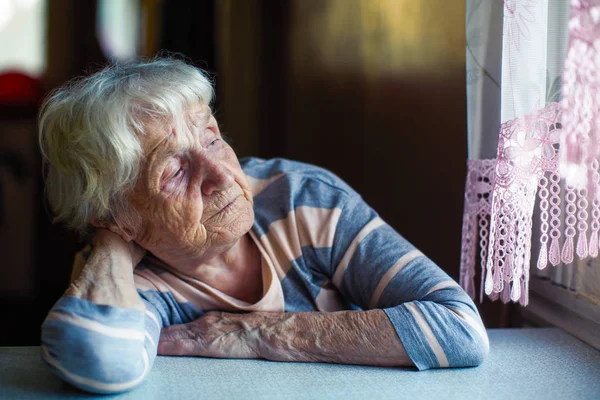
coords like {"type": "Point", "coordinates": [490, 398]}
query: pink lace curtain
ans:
{"type": "Point", "coordinates": [533, 105]}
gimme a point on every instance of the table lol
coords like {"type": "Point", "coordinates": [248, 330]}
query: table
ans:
{"type": "Point", "coordinates": [532, 363]}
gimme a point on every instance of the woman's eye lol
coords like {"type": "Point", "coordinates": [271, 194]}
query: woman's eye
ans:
{"type": "Point", "coordinates": [213, 142]}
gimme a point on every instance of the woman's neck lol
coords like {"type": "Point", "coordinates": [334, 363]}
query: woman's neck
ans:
{"type": "Point", "coordinates": [235, 272]}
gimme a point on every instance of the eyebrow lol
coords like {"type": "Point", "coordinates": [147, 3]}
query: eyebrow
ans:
{"type": "Point", "coordinates": [161, 154]}
{"type": "Point", "coordinates": [203, 114]}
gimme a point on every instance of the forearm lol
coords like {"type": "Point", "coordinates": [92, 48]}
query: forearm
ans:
{"type": "Point", "coordinates": [107, 278]}
{"type": "Point", "coordinates": [99, 335]}
{"type": "Point", "coordinates": [344, 337]}
{"type": "Point", "coordinates": [98, 348]}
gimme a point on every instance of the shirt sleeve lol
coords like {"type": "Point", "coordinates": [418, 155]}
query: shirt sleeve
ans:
{"type": "Point", "coordinates": [100, 348]}
{"type": "Point", "coordinates": [375, 267]}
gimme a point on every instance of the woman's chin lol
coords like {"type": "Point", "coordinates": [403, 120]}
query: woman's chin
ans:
{"type": "Point", "coordinates": [231, 229]}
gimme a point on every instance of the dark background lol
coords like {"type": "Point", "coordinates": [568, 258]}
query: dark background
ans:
{"type": "Point", "coordinates": [373, 90]}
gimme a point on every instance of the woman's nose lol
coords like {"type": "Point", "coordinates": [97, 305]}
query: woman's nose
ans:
{"type": "Point", "coordinates": [216, 177]}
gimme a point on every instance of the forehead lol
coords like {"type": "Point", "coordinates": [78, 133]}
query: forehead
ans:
{"type": "Point", "coordinates": [157, 133]}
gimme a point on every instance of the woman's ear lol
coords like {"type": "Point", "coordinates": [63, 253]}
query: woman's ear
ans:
{"type": "Point", "coordinates": [125, 233]}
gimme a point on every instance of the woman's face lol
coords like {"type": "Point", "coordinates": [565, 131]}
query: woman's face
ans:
{"type": "Point", "coordinates": [192, 195]}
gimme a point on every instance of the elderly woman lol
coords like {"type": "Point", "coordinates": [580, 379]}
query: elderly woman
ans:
{"type": "Point", "coordinates": [197, 254]}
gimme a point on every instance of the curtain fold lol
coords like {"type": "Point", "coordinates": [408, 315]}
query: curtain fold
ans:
{"type": "Point", "coordinates": [483, 78]}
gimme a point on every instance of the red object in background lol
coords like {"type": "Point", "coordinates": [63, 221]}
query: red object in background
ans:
{"type": "Point", "coordinates": [19, 89]}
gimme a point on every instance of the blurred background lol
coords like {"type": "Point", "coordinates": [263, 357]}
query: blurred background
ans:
{"type": "Point", "coordinates": [373, 90]}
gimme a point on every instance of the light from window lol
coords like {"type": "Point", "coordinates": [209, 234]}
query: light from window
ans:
{"type": "Point", "coordinates": [23, 36]}
{"type": "Point", "coordinates": [118, 28]}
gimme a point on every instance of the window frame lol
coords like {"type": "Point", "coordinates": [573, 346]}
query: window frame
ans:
{"type": "Point", "coordinates": [550, 304]}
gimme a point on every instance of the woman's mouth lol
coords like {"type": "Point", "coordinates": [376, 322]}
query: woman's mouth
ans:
{"type": "Point", "coordinates": [229, 205]}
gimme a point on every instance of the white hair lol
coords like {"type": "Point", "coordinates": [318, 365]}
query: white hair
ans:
{"type": "Point", "coordinates": [89, 135]}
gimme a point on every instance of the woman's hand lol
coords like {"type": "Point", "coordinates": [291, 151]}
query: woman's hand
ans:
{"type": "Point", "coordinates": [215, 334]}
{"type": "Point", "coordinates": [107, 239]}
{"type": "Point", "coordinates": [107, 275]}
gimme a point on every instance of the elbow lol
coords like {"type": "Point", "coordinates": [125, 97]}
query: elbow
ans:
{"type": "Point", "coordinates": [471, 342]}
{"type": "Point", "coordinates": [91, 361]}
{"type": "Point", "coordinates": [473, 349]}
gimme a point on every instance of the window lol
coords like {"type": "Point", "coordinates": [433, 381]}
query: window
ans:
{"type": "Point", "coordinates": [26, 21]}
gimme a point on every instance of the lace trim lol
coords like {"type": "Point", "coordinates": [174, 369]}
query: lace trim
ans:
{"type": "Point", "coordinates": [476, 220]}
{"type": "Point", "coordinates": [499, 199]}
{"type": "Point", "coordinates": [525, 152]}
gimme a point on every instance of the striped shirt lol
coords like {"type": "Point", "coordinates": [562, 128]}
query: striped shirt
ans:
{"type": "Point", "coordinates": [322, 248]}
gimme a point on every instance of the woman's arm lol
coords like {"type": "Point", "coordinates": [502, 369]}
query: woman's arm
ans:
{"type": "Point", "coordinates": [415, 314]}
{"type": "Point", "coordinates": [100, 335]}
{"type": "Point", "coordinates": [343, 337]}
{"type": "Point", "coordinates": [107, 275]}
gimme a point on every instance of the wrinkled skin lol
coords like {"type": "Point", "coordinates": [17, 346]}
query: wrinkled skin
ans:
{"type": "Point", "coordinates": [196, 206]}
{"type": "Point", "coordinates": [107, 276]}
{"type": "Point", "coordinates": [189, 178]}
{"type": "Point", "coordinates": [215, 334]}
{"type": "Point", "coordinates": [345, 337]}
